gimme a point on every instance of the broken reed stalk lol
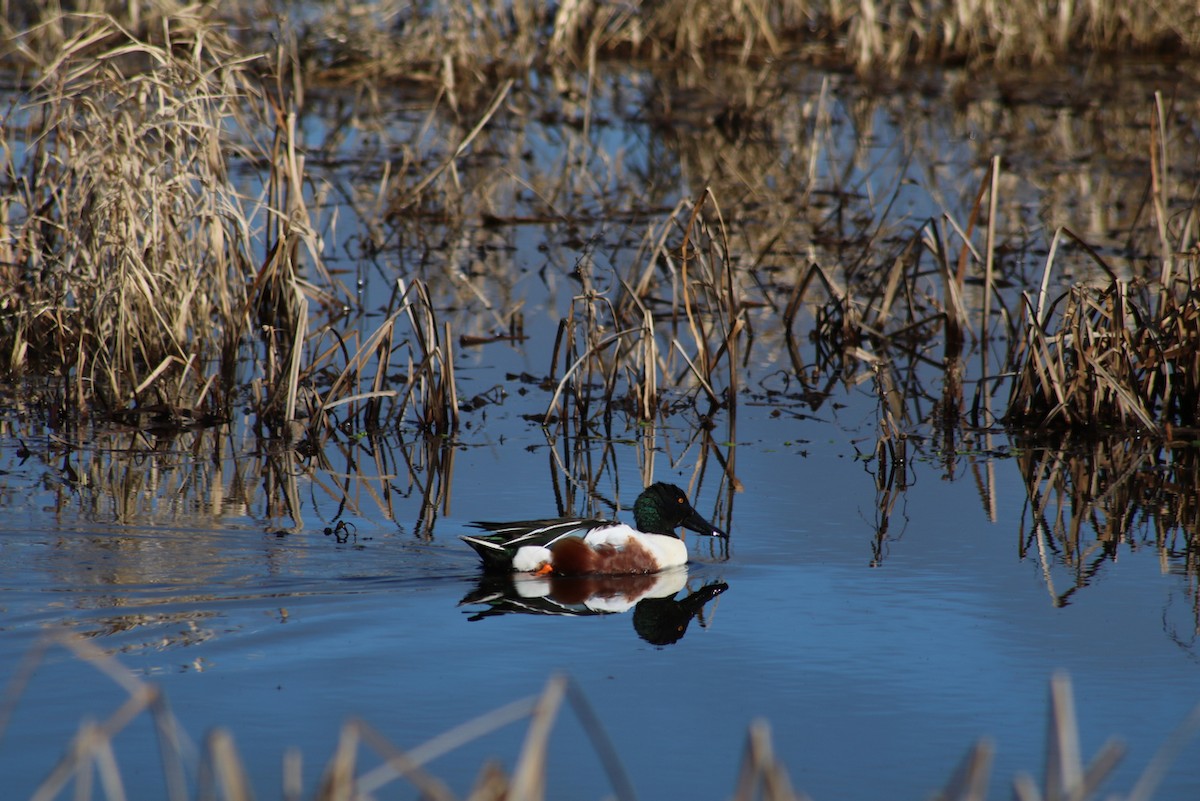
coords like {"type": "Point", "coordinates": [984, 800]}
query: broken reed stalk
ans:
{"type": "Point", "coordinates": [687, 254]}
{"type": "Point", "coordinates": [346, 388]}
{"type": "Point", "coordinates": [952, 306]}
{"type": "Point", "coordinates": [570, 379]}
{"type": "Point", "coordinates": [1159, 183]}
{"type": "Point", "coordinates": [646, 367]}
{"type": "Point", "coordinates": [989, 272]}
{"type": "Point", "coordinates": [632, 349]}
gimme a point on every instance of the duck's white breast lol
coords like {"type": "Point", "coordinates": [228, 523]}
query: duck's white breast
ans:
{"type": "Point", "coordinates": [668, 551]}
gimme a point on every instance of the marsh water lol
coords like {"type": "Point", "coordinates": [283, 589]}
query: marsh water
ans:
{"type": "Point", "coordinates": [880, 613]}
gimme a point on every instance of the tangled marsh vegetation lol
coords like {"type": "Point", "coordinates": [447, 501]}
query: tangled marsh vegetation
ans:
{"type": "Point", "coordinates": [195, 197]}
{"type": "Point", "coordinates": [168, 227]}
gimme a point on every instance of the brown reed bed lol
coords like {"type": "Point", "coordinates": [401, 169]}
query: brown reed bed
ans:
{"type": "Point", "coordinates": [146, 271]}
{"type": "Point", "coordinates": [773, 254]}
{"type": "Point", "coordinates": [129, 250]}
{"type": "Point", "coordinates": [171, 293]}
{"type": "Point", "coordinates": [163, 284]}
{"type": "Point", "coordinates": [89, 768]}
{"type": "Point", "coordinates": [462, 44]}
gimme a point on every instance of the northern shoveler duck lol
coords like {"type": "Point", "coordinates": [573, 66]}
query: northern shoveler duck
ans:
{"type": "Point", "coordinates": [579, 547]}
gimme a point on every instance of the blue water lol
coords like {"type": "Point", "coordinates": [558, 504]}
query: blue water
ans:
{"type": "Point", "coordinates": [875, 680]}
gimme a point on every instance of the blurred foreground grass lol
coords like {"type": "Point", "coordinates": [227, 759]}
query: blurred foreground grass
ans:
{"type": "Point", "coordinates": [213, 768]}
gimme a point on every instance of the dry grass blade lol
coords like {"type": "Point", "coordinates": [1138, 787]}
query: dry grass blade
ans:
{"type": "Point", "coordinates": [431, 383]}
{"type": "Point", "coordinates": [969, 782]}
{"type": "Point", "coordinates": [441, 744]}
{"type": "Point", "coordinates": [413, 194]}
{"type": "Point", "coordinates": [592, 351]}
{"type": "Point", "coordinates": [1065, 778]}
{"type": "Point", "coordinates": [397, 763]}
{"type": "Point", "coordinates": [20, 680]}
{"type": "Point", "coordinates": [604, 747]}
{"type": "Point", "coordinates": [379, 345]}
{"type": "Point", "coordinates": [529, 776]}
{"type": "Point", "coordinates": [697, 373]}
{"type": "Point", "coordinates": [222, 774]}
{"type": "Point", "coordinates": [292, 782]}
{"type": "Point", "coordinates": [1166, 755]}
{"type": "Point", "coordinates": [338, 783]}
{"type": "Point", "coordinates": [1064, 765]}
{"type": "Point", "coordinates": [989, 271]}
{"type": "Point", "coordinates": [93, 743]}
{"type": "Point", "coordinates": [955, 309]}
{"type": "Point", "coordinates": [172, 746]}
{"type": "Point", "coordinates": [760, 770]}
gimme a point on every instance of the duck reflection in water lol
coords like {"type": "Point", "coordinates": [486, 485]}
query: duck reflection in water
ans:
{"type": "Point", "coordinates": [659, 617]}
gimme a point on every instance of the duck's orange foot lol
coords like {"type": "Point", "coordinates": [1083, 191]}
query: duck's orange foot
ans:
{"type": "Point", "coordinates": [544, 570]}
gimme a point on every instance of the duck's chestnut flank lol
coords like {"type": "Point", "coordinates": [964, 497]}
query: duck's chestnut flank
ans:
{"type": "Point", "coordinates": [572, 556]}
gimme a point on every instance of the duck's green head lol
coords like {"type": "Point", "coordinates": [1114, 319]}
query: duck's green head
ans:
{"type": "Point", "coordinates": [662, 508]}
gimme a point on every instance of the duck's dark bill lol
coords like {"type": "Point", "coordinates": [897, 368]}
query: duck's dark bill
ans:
{"type": "Point", "coordinates": [694, 522]}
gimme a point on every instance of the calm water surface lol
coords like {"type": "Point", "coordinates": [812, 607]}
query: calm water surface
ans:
{"type": "Point", "coordinates": [875, 679]}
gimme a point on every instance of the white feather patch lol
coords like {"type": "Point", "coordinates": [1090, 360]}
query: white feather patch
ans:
{"type": "Point", "coordinates": [529, 558]}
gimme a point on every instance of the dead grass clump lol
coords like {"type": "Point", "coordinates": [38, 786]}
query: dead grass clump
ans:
{"type": "Point", "coordinates": [1026, 32]}
{"type": "Point", "coordinates": [1109, 358]}
{"type": "Point", "coordinates": [141, 257]}
{"type": "Point", "coordinates": [35, 37]}
{"type": "Point", "coordinates": [125, 235]}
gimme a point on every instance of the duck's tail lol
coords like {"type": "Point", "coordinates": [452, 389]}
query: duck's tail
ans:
{"type": "Point", "coordinates": [496, 558]}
